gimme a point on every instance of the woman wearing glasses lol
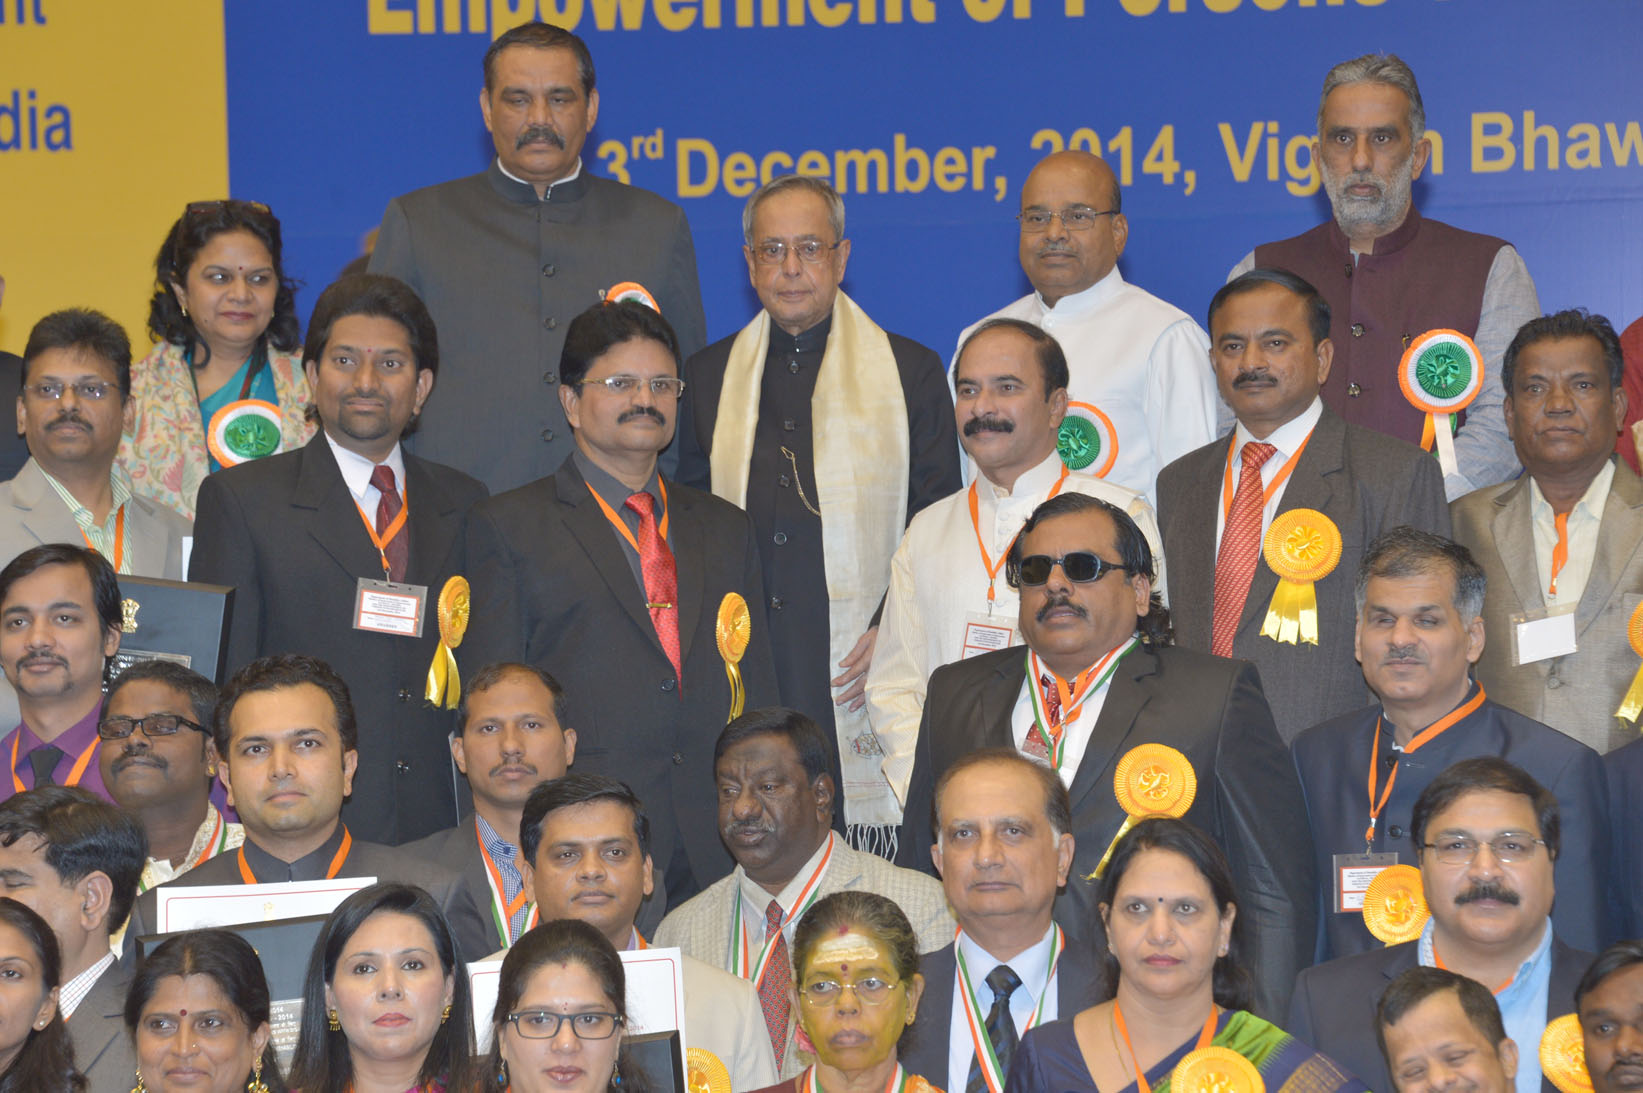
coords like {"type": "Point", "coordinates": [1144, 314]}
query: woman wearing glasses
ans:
{"type": "Point", "coordinates": [561, 1012]}
{"type": "Point", "coordinates": [224, 382]}
{"type": "Point", "coordinates": [855, 966]}
{"type": "Point", "coordinates": [1176, 1017]}
{"type": "Point", "coordinates": [385, 1007]}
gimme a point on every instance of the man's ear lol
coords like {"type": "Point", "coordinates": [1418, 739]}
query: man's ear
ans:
{"type": "Point", "coordinates": [96, 893]}
{"type": "Point", "coordinates": [823, 789]}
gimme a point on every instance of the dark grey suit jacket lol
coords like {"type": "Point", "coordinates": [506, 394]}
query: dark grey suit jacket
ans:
{"type": "Point", "coordinates": [1367, 483]}
{"type": "Point", "coordinates": [1625, 770]}
{"type": "Point", "coordinates": [102, 1048]}
{"type": "Point", "coordinates": [1209, 708]}
{"type": "Point", "coordinates": [1334, 1005]}
{"type": "Point", "coordinates": [552, 586]}
{"type": "Point", "coordinates": [285, 532]}
{"type": "Point", "coordinates": [929, 1043]}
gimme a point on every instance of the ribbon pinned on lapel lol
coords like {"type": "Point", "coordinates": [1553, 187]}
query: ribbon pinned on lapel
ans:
{"type": "Point", "coordinates": [1563, 1055]}
{"type": "Point", "coordinates": [1632, 704]}
{"type": "Point", "coordinates": [1394, 906]}
{"type": "Point", "coordinates": [1441, 373]}
{"type": "Point", "coordinates": [1151, 780]}
{"type": "Point", "coordinates": [1302, 546]}
{"type": "Point", "coordinates": [444, 681]}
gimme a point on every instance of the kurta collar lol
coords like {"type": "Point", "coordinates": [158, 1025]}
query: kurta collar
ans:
{"type": "Point", "coordinates": [269, 869]}
{"type": "Point", "coordinates": [1041, 477]}
{"type": "Point", "coordinates": [1080, 302]}
{"type": "Point", "coordinates": [521, 192]}
{"type": "Point", "coordinates": [1390, 243]}
{"type": "Point", "coordinates": [813, 340]}
{"type": "Point", "coordinates": [1471, 692]}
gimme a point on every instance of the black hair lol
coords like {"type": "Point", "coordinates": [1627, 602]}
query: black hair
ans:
{"type": "Point", "coordinates": [1317, 308]}
{"type": "Point", "coordinates": [83, 834]}
{"type": "Point", "coordinates": [285, 670]}
{"type": "Point", "coordinates": [869, 912]}
{"type": "Point", "coordinates": [1417, 984]}
{"type": "Point", "coordinates": [200, 691]}
{"type": "Point", "coordinates": [322, 1063]}
{"type": "Point", "coordinates": [1617, 957]}
{"type": "Point", "coordinates": [602, 328]}
{"type": "Point", "coordinates": [577, 789]}
{"type": "Point", "coordinates": [1057, 805]}
{"type": "Point", "coordinates": [540, 35]}
{"type": "Point", "coordinates": [380, 297]}
{"type": "Point", "coordinates": [1574, 322]}
{"type": "Point", "coordinates": [1052, 359]}
{"type": "Point", "coordinates": [45, 1063]}
{"type": "Point", "coordinates": [492, 674]}
{"type": "Point", "coordinates": [807, 738]}
{"type": "Point", "coordinates": [105, 583]}
{"type": "Point", "coordinates": [1482, 774]}
{"type": "Point", "coordinates": [201, 222]}
{"type": "Point", "coordinates": [87, 331]}
{"type": "Point", "coordinates": [1133, 551]}
{"type": "Point", "coordinates": [1406, 551]}
{"type": "Point", "coordinates": [1232, 985]}
{"type": "Point", "coordinates": [232, 964]}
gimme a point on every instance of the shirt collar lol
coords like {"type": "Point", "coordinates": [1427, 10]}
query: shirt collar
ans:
{"type": "Point", "coordinates": [75, 990]}
{"type": "Point", "coordinates": [1591, 502]}
{"type": "Point", "coordinates": [499, 847]}
{"type": "Point", "coordinates": [1031, 965]}
{"type": "Point", "coordinates": [813, 340]}
{"type": "Point", "coordinates": [613, 490]}
{"type": "Point", "coordinates": [118, 484]}
{"type": "Point", "coordinates": [1427, 953]}
{"type": "Point", "coordinates": [517, 189]}
{"type": "Point", "coordinates": [1289, 436]}
{"type": "Point", "coordinates": [356, 469]}
{"type": "Point", "coordinates": [73, 740]}
{"type": "Point", "coordinates": [1030, 482]}
{"type": "Point", "coordinates": [269, 869]}
{"type": "Point", "coordinates": [1097, 294]}
{"type": "Point", "coordinates": [755, 895]}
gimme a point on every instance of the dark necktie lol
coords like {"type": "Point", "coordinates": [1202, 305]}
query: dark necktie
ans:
{"type": "Point", "coordinates": [44, 760]}
{"type": "Point", "coordinates": [398, 548]}
{"type": "Point", "coordinates": [1240, 546]}
{"type": "Point", "coordinates": [1000, 1027]}
{"type": "Point", "coordinates": [778, 980]}
{"type": "Point", "coordinates": [661, 582]}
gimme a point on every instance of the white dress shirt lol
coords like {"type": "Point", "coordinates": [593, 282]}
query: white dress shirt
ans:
{"type": "Point", "coordinates": [356, 475]}
{"type": "Point", "coordinates": [1075, 733]}
{"type": "Point", "coordinates": [1583, 524]}
{"type": "Point", "coordinates": [755, 900]}
{"type": "Point", "coordinates": [1030, 965]}
{"type": "Point", "coordinates": [1287, 438]}
{"type": "Point", "coordinates": [75, 990]}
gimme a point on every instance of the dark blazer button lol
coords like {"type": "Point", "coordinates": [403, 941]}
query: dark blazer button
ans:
{"type": "Point", "coordinates": [404, 695]}
{"type": "Point", "coordinates": [1353, 390]}
{"type": "Point", "coordinates": [669, 683]}
{"type": "Point", "coordinates": [776, 603]}
{"type": "Point", "coordinates": [1357, 330]}
{"type": "Point", "coordinates": [781, 538]}
{"type": "Point", "coordinates": [1395, 831]}
{"type": "Point", "coordinates": [403, 767]}
{"type": "Point", "coordinates": [678, 760]}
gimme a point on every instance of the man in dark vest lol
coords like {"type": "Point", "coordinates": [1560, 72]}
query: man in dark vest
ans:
{"type": "Point", "coordinates": [1391, 275]}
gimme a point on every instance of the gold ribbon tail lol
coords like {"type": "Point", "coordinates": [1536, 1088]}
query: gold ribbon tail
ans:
{"type": "Point", "coordinates": [738, 692]}
{"type": "Point", "coordinates": [1632, 704]}
{"type": "Point", "coordinates": [1101, 867]}
{"type": "Point", "coordinates": [444, 681]}
{"type": "Point", "coordinates": [1293, 615]}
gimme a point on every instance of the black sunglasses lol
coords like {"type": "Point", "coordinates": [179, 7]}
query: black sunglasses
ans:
{"type": "Point", "coordinates": [1080, 566]}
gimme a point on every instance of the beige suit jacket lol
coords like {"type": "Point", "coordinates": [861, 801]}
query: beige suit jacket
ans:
{"type": "Point", "coordinates": [1579, 693]}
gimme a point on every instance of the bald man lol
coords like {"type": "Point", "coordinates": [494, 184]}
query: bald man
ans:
{"type": "Point", "coordinates": [1140, 362]}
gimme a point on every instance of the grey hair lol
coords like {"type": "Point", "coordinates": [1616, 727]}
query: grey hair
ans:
{"type": "Point", "coordinates": [1405, 552]}
{"type": "Point", "coordinates": [818, 186]}
{"type": "Point", "coordinates": [1382, 68]}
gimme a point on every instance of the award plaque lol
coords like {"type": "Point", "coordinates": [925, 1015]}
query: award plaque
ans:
{"type": "Point", "coordinates": [174, 620]}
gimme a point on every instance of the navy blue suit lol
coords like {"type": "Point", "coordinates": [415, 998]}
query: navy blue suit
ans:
{"type": "Point", "coordinates": [1625, 768]}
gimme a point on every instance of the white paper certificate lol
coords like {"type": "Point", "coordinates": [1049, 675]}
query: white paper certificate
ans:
{"type": "Point", "coordinates": [236, 904]}
{"type": "Point", "coordinates": [655, 990]}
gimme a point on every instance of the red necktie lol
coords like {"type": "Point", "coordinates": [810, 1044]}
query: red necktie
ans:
{"type": "Point", "coordinates": [778, 978]}
{"type": "Point", "coordinates": [1034, 744]}
{"type": "Point", "coordinates": [1240, 546]}
{"type": "Point", "coordinates": [398, 548]}
{"type": "Point", "coordinates": [661, 580]}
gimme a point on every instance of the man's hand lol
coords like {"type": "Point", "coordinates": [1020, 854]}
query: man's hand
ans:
{"type": "Point", "coordinates": [854, 676]}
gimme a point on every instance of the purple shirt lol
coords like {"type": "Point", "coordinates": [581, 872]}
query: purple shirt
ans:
{"type": "Point", "coordinates": [80, 740]}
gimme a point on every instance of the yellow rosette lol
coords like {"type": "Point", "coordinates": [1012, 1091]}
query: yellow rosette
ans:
{"type": "Point", "coordinates": [1151, 780]}
{"type": "Point", "coordinates": [1302, 546]}
{"type": "Point", "coordinates": [1215, 1070]}
{"type": "Point", "coordinates": [1394, 907]}
{"type": "Point", "coordinates": [1563, 1055]}
{"type": "Point", "coordinates": [1632, 704]}
{"type": "Point", "coordinates": [733, 630]}
{"type": "Point", "coordinates": [705, 1073]}
{"type": "Point", "coordinates": [444, 681]}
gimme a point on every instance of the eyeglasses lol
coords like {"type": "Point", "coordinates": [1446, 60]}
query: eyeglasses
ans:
{"type": "Point", "coordinates": [1075, 219]}
{"type": "Point", "coordinates": [660, 386]}
{"type": "Point", "coordinates": [869, 991]}
{"type": "Point", "coordinates": [51, 390]}
{"type": "Point", "coordinates": [544, 1024]}
{"type": "Point", "coordinates": [773, 252]}
{"type": "Point", "coordinates": [1081, 567]}
{"type": "Point", "coordinates": [155, 724]}
{"type": "Point", "coordinates": [1460, 850]}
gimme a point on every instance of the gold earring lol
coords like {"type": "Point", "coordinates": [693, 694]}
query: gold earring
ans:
{"type": "Point", "coordinates": [139, 1087]}
{"type": "Point", "coordinates": [257, 1085]}
{"type": "Point", "coordinates": [445, 1014]}
{"type": "Point", "coordinates": [331, 1021]}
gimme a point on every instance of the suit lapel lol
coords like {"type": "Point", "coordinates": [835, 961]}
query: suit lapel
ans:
{"type": "Point", "coordinates": [1618, 538]}
{"type": "Point", "coordinates": [689, 552]}
{"type": "Point", "coordinates": [587, 524]}
{"type": "Point", "coordinates": [432, 523]}
{"type": "Point", "coordinates": [1309, 487]}
{"type": "Point", "coordinates": [997, 704]}
{"type": "Point", "coordinates": [43, 513]}
{"type": "Point", "coordinates": [1515, 541]}
{"type": "Point", "coordinates": [1125, 698]}
{"type": "Point", "coordinates": [328, 509]}
{"type": "Point", "coordinates": [1192, 574]}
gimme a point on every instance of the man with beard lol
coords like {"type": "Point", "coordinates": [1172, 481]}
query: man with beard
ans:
{"type": "Point", "coordinates": [1610, 1003]}
{"type": "Point", "coordinates": [1486, 836]}
{"type": "Point", "coordinates": [1390, 275]}
{"type": "Point", "coordinates": [948, 599]}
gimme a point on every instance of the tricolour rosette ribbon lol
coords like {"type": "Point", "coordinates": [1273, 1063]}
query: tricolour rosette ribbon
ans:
{"type": "Point", "coordinates": [1151, 780]}
{"type": "Point", "coordinates": [1086, 440]}
{"type": "Point", "coordinates": [733, 630]}
{"type": "Point", "coordinates": [242, 431]}
{"type": "Point", "coordinates": [1394, 907]}
{"type": "Point", "coordinates": [1632, 704]}
{"type": "Point", "coordinates": [1441, 372]}
{"type": "Point", "coordinates": [444, 681]}
{"type": "Point", "coordinates": [1563, 1055]}
{"type": "Point", "coordinates": [631, 290]}
{"type": "Point", "coordinates": [1302, 546]}
{"type": "Point", "coordinates": [1215, 1069]}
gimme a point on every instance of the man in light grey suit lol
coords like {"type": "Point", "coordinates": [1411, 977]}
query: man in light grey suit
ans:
{"type": "Point", "coordinates": [1566, 536]}
{"type": "Point", "coordinates": [585, 844]}
{"type": "Point", "coordinates": [1269, 343]}
{"type": "Point", "coordinates": [775, 814]}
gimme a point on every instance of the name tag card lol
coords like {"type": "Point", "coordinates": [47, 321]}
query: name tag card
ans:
{"type": "Point", "coordinates": [385, 608]}
{"type": "Point", "coordinates": [236, 904]}
{"type": "Point", "coordinates": [986, 634]}
{"type": "Point", "coordinates": [1353, 875]}
{"type": "Point", "coordinates": [1543, 634]}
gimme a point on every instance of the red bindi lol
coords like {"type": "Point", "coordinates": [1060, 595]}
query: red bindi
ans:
{"type": "Point", "coordinates": [182, 1013]}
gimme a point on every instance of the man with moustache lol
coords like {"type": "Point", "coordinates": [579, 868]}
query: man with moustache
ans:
{"type": "Point", "coordinates": [1436, 1028]}
{"type": "Point", "coordinates": [1561, 543]}
{"type": "Point", "coordinates": [1290, 455]}
{"type": "Point", "coordinates": [1486, 837]}
{"type": "Point", "coordinates": [508, 257]}
{"type": "Point", "coordinates": [1137, 359]}
{"type": "Point", "coordinates": [1390, 275]}
{"type": "Point", "coordinates": [1610, 1003]}
{"type": "Point", "coordinates": [1419, 602]}
{"type": "Point", "coordinates": [946, 599]}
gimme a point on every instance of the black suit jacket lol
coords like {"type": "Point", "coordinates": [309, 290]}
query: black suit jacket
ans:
{"type": "Point", "coordinates": [102, 1047]}
{"type": "Point", "coordinates": [1209, 708]}
{"type": "Point", "coordinates": [1367, 483]}
{"type": "Point", "coordinates": [552, 586]}
{"type": "Point", "coordinates": [1625, 770]}
{"type": "Point", "coordinates": [1334, 1005]}
{"type": "Point", "coordinates": [14, 450]}
{"type": "Point", "coordinates": [285, 532]}
{"type": "Point", "coordinates": [929, 1041]}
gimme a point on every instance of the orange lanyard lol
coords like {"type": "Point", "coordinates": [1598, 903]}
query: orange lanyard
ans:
{"type": "Point", "coordinates": [1560, 552]}
{"type": "Point", "coordinates": [1425, 736]}
{"type": "Point", "coordinates": [1438, 962]}
{"type": "Point", "coordinates": [616, 521]}
{"type": "Point", "coordinates": [330, 872]}
{"type": "Point", "coordinates": [119, 539]}
{"type": "Point", "coordinates": [639, 941]}
{"type": "Point", "coordinates": [1204, 1038]}
{"type": "Point", "coordinates": [75, 773]}
{"type": "Point", "coordinates": [503, 909]}
{"type": "Point", "coordinates": [1083, 684]}
{"type": "Point", "coordinates": [395, 526]}
{"type": "Point", "coordinates": [987, 562]}
{"type": "Point", "coordinates": [1227, 489]}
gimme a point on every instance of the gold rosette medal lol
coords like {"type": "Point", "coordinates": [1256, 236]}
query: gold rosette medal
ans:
{"type": "Point", "coordinates": [444, 681]}
{"type": "Point", "coordinates": [1394, 907]}
{"type": "Point", "coordinates": [1302, 546]}
{"type": "Point", "coordinates": [733, 630]}
{"type": "Point", "coordinates": [1151, 780]}
{"type": "Point", "coordinates": [706, 1073]}
{"type": "Point", "coordinates": [1215, 1070]}
{"type": "Point", "coordinates": [1563, 1055]}
{"type": "Point", "coordinates": [1632, 704]}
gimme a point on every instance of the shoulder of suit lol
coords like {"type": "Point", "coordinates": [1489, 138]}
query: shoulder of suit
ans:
{"type": "Point", "coordinates": [163, 514]}
{"type": "Point", "coordinates": [879, 874]}
{"type": "Point", "coordinates": [259, 474]}
{"type": "Point", "coordinates": [404, 867]}
{"type": "Point", "coordinates": [638, 200]}
{"type": "Point", "coordinates": [1542, 736]}
{"type": "Point", "coordinates": [1386, 455]}
{"type": "Point", "coordinates": [973, 670]}
{"type": "Point", "coordinates": [1190, 465]}
{"type": "Point", "coordinates": [430, 199]}
{"type": "Point", "coordinates": [1333, 974]}
{"type": "Point", "coordinates": [914, 356]}
{"type": "Point", "coordinates": [711, 359]}
{"type": "Point", "coordinates": [708, 902]}
{"type": "Point", "coordinates": [458, 839]}
{"type": "Point", "coordinates": [458, 485]}
{"type": "Point", "coordinates": [701, 976]}
{"type": "Point", "coordinates": [1328, 734]}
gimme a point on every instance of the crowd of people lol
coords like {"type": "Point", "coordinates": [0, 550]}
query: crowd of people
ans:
{"type": "Point", "coordinates": [1127, 704]}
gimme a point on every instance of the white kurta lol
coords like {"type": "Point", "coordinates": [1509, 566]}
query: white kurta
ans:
{"type": "Point", "coordinates": [938, 584]}
{"type": "Point", "coordinates": [1138, 359]}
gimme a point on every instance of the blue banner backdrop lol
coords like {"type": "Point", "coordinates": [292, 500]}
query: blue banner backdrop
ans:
{"type": "Point", "coordinates": [930, 113]}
